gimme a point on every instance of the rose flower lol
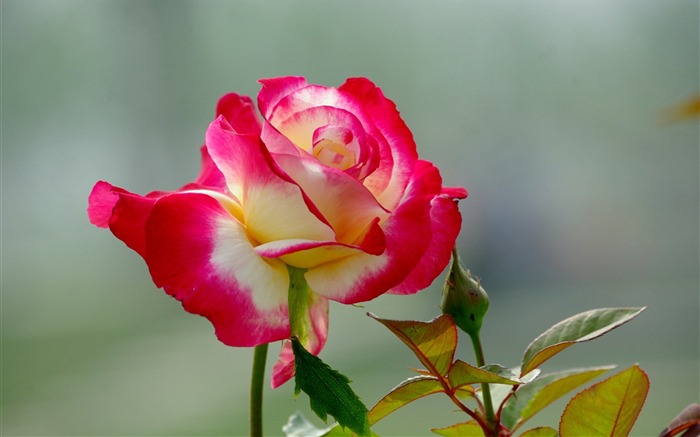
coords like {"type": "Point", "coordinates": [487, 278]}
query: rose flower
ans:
{"type": "Point", "coordinates": [327, 184]}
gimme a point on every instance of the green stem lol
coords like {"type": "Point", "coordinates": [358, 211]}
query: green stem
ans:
{"type": "Point", "coordinates": [256, 390]}
{"type": "Point", "coordinates": [486, 391]}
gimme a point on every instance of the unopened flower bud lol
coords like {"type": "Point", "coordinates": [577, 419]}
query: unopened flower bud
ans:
{"type": "Point", "coordinates": [463, 298]}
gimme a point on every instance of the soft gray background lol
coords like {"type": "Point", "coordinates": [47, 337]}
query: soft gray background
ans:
{"type": "Point", "coordinates": [548, 112]}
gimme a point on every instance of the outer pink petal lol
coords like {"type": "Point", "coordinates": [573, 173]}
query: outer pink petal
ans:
{"type": "Point", "coordinates": [240, 113]}
{"type": "Point", "coordinates": [283, 369]}
{"type": "Point", "coordinates": [125, 213]}
{"type": "Point", "coordinates": [101, 202]}
{"type": "Point", "coordinates": [275, 89]}
{"type": "Point", "coordinates": [446, 224]}
{"type": "Point", "coordinates": [201, 255]}
{"type": "Point", "coordinates": [455, 192]}
{"type": "Point", "coordinates": [408, 234]}
{"type": "Point", "coordinates": [397, 150]}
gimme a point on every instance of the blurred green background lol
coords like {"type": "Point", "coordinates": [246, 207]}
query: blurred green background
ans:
{"type": "Point", "coordinates": [547, 111]}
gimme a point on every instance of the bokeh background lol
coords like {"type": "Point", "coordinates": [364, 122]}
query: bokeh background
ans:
{"type": "Point", "coordinates": [549, 112]}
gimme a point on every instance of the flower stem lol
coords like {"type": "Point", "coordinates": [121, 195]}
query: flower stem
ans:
{"type": "Point", "coordinates": [256, 390]}
{"type": "Point", "coordinates": [486, 391]}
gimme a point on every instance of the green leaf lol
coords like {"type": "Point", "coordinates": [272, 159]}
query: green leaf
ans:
{"type": "Point", "coordinates": [463, 373]}
{"type": "Point", "coordinates": [608, 408]}
{"type": "Point", "coordinates": [533, 397]}
{"type": "Point", "coordinates": [433, 342]}
{"type": "Point", "coordinates": [405, 393]}
{"type": "Point", "coordinates": [329, 391]}
{"type": "Point", "coordinates": [581, 327]}
{"type": "Point", "coordinates": [466, 392]}
{"type": "Point", "coordinates": [543, 431]}
{"type": "Point", "coordinates": [471, 429]}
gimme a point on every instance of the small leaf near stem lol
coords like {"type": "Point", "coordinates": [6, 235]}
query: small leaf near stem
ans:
{"type": "Point", "coordinates": [403, 394]}
{"type": "Point", "coordinates": [434, 344]}
{"type": "Point", "coordinates": [256, 390]}
{"type": "Point", "coordinates": [329, 391]}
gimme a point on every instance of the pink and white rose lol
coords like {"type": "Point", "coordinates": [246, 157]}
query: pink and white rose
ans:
{"type": "Point", "coordinates": [327, 182]}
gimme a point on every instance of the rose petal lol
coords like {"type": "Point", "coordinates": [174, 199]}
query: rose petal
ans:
{"type": "Point", "coordinates": [240, 113]}
{"type": "Point", "coordinates": [124, 212]}
{"type": "Point", "coordinates": [101, 202]}
{"type": "Point", "coordinates": [344, 202]}
{"type": "Point", "coordinates": [274, 89]}
{"type": "Point", "coordinates": [301, 125]}
{"type": "Point", "coordinates": [201, 255]}
{"type": "Point", "coordinates": [446, 224]}
{"type": "Point", "coordinates": [407, 231]}
{"type": "Point", "coordinates": [274, 208]}
{"type": "Point", "coordinates": [396, 145]}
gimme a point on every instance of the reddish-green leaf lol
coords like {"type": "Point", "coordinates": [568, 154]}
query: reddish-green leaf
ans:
{"type": "Point", "coordinates": [471, 429]}
{"type": "Point", "coordinates": [533, 397]}
{"type": "Point", "coordinates": [466, 392]}
{"type": "Point", "coordinates": [687, 422]}
{"type": "Point", "coordinates": [543, 431]}
{"type": "Point", "coordinates": [579, 328]}
{"type": "Point", "coordinates": [608, 408]}
{"type": "Point", "coordinates": [405, 393]}
{"type": "Point", "coordinates": [463, 373]}
{"type": "Point", "coordinates": [433, 342]}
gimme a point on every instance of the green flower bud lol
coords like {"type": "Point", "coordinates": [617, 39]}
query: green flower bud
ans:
{"type": "Point", "coordinates": [463, 298]}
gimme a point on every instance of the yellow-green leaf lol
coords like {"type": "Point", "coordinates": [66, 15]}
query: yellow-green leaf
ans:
{"type": "Point", "coordinates": [543, 431]}
{"type": "Point", "coordinates": [464, 429]}
{"type": "Point", "coordinates": [463, 373]}
{"type": "Point", "coordinates": [579, 328]}
{"type": "Point", "coordinates": [405, 393]}
{"type": "Point", "coordinates": [533, 397]}
{"type": "Point", "coordinates": [608, 408]}
{"type": "Point", "coordinates": [433, 342]}
{"type": "Point", "coordinates": [466, 392]}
